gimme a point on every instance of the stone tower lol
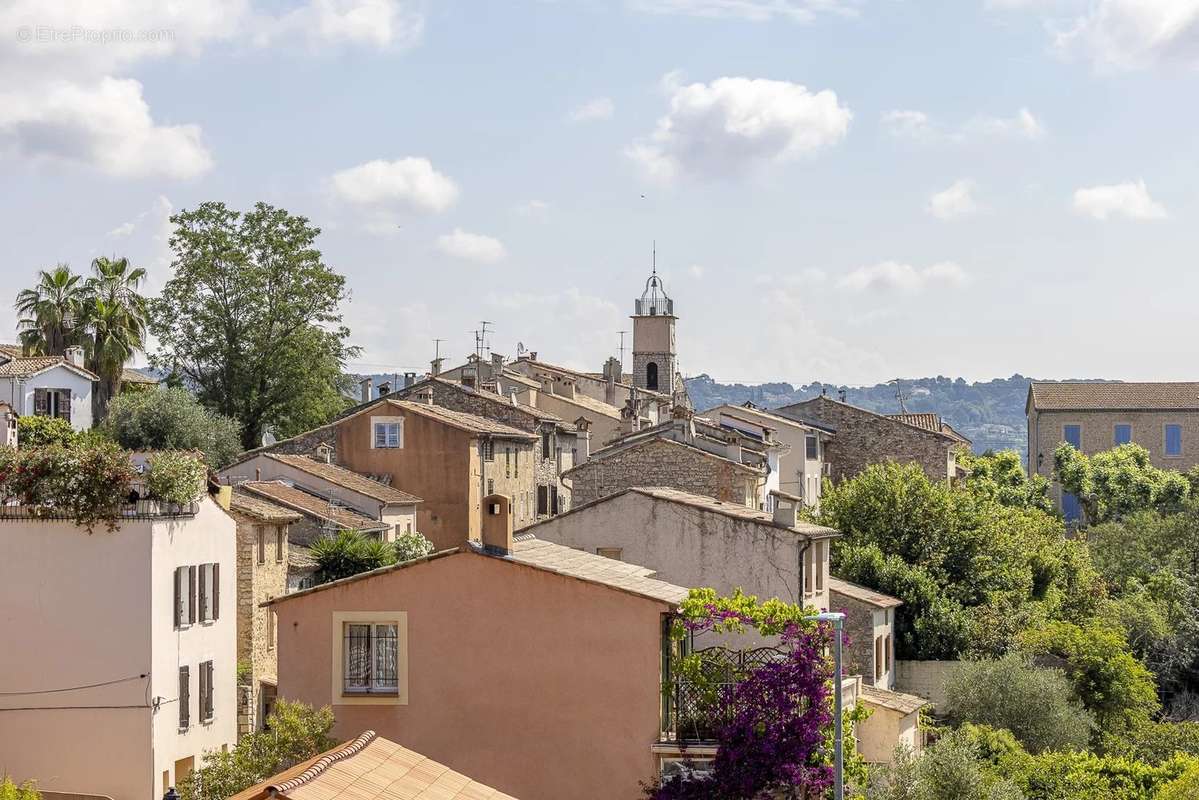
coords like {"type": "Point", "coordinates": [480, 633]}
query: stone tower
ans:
{"type": "Point", "coordinates": [655, 357]}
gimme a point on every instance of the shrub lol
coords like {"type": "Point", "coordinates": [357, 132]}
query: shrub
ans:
{"type": "Point", "coordinates": [85, 483]}
{"type": "Point", "coordinates": [176, 477]}
{"type": "Point", "coordinates": [951, 769]}
{"type": "Point", "coordinates": [42, 431]}
{"type": "Point", "coordinates": [171, 419]}
{"type": "Point", "coordinates": [412, 545]}
{"type": "Point", "coordinates": [1155, 742]}
{"type": "Point", "coordinates": [1035, 704]}
{"type": "Point", "coordinates": [349, 553]}
{"type": "Point", "coordinates": [1085, 776]}
{"type": "Point", "coordinates": [297, 732]}
{"type": "Point", "coordinates": [1184, 787]}
{"type": "Point", "coordinates": [10, 790]}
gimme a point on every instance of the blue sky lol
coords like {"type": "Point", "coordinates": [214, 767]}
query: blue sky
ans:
{"type": "Point", "coordinates": [840, 190]}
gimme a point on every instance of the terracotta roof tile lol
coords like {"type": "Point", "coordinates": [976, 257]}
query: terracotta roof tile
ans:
{"type": "Point", "coordinates": [862, 594]}
{"type": "Point", "coordinates": [1091, 396]}
{"type": "Point", "coordinates": [260, 508]}
{"type": "Point", "coordinates": [130, 375]}
{"type": "Point", "coordinates": [896, 701]}
{"type": "Point", "coordinates": [22, 367]}
{"type": "Point", "coordinates": [594, 568]}
{"type": "Point", "coordinates": [371, 768]}
{"type": "Point", "coordinates": [458, 419]}
{"type": "Point", "coordinates": [311, 505]}
{"type": "Point", "coordinates": [345, 478]}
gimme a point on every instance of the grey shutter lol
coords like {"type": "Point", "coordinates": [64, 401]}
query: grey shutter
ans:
{"type": "Point", "coordinates": [185, 687]}
{"type": "Point", "coordinates": [178, 598]}
{"type": "Point", "coordinates": [205, 578]}
{"type": "Point", "coordinates": [191, 594]}
{"type": "Point", "coordinates": [41, 402]}
{"type": "Point", "coordinates": [64, 404]}
{"type": "Point", "coordinates": [208, 705]}
{"type": "Point", "coordinates": [216, 591]}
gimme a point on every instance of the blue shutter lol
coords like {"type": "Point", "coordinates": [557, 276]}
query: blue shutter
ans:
{"type": "Point", "coordinates": [1173, 440]}
{"type": "Point", "coordinates": [1071, 508]}
{"type": "Point", "coordinates": [1073, 436]}
{"type": "Point", "coordinates": [1123, 434]}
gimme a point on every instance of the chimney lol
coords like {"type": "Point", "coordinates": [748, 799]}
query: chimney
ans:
{"type": "Point", "coordinates": [74, 355]}
{"type": "Point", "coordinates": [384, 388]}
{"type": "Point", "coordinates": [496, 527]}
{"type": "Point", "coordinates": [324, 453]}
{"type": "Point", "coordinates": [435, 369]}
{"type": "Point", "coordinates": [409, 379]}
{"type": "Point", "coordinates": [423, 395]}
{"type": "Point", "coordinates": [612, 376]}
{"type": "Point", "coordinates": [786, 508]}
{"type": "Point", "coordinates": [365, 383]}
{"type": "Point", "coordinates": [841, 395]}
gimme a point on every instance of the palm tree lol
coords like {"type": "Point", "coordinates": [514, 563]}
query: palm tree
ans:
{"type": "Point", "coordinates": [114, 316]}
{"type": "Point", "coordinates": [51, 312]}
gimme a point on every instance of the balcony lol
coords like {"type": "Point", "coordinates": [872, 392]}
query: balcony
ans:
{"type": "Point", "coordinates": [693, 711]}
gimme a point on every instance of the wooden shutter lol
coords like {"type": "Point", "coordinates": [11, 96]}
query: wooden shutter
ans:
{"type": "Point", "coordinates": [178, 597]}
{"type": "Point", "coordinates": [543, 499]}
{"type": "Point", "coordinates": [191, 594]}
{"type": "Point", "coordinates": [202, 706]}
{"type": "Point", "coordinates": [64, 404]}
{"type": "Point", "coordinates": [41, 404]}
{"type": "Point", "coordinates": [185, 687]}
{"type": "Point", "coordinates": [553, 499]}
{"type": "Point", "coordinates": [205, 582]}
{"type": "Point", "coordinates": [208, 697]}
{"type": "Point", "coordinates": [216, 591]}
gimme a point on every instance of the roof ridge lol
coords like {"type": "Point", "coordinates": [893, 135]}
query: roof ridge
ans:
{"type": "Point", "coordinates": [324, 762]}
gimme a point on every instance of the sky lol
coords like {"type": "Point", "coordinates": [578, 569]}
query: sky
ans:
{"type": "Point", "coordinates": [839, 190]}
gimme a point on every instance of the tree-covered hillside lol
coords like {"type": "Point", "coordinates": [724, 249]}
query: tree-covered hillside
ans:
{"type": "Point", "coordinates": [990, 413]}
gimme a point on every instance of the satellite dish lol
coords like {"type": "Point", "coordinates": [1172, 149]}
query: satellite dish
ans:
{"type": "Point", "coordinates": [520, 348]}
{"type": "Point", "coordinates": [268, 438]}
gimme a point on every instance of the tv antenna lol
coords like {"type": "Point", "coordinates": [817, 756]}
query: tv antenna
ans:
{"type": "Point", "coordinates": [899, 395]}
{"type": "Point", "coordinates": [481, 338]}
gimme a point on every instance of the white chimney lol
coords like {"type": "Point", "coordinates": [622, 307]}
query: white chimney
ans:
{"type": "Point", "coordinates": [74, 355]}
{"type": "Point", "coordinates": [366, 384]}
{"type": "Point", "coordinates": [786, 508]}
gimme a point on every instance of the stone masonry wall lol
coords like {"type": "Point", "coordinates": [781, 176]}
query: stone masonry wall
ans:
{"type": "Point", "coordinates": [659, 463]}
{"type": "Point", "coordinates": [257, 583]}
{"type": "Point", "coordinates": [859, 630]}
{"type": "Point", "coordinates": [863, 438]}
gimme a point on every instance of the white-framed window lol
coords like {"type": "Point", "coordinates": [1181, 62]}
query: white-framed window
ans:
{"type": "Point", "coordinates": [811, 447]}
{"type": "Point", "coordinates": [387, 433]}
{"type": "Point", "coordinates": [371, 658]}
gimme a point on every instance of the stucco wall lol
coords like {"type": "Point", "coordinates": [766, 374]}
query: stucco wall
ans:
{"type": "Point", "coordinates": [863, 438]}
{"type": "Point", "coordinates": [924, 678]}
{"type": "Point", "coordinates": [19, 394]}
{"type": "Point", "coordinates": [543, 686]}
{"type": "Point", "coordinates": [659, 463]}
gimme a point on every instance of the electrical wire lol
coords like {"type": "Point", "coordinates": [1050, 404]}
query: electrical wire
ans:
{"type": "Point", "coordinates": [66, 708]}
{"type": "Point", "coordinates": [78, 688]}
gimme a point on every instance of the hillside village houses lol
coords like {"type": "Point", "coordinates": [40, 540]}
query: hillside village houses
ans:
{"type": "Point", "coordinates": [50, 386]}
{"type": "Point", "coordinates": [1161, 417]}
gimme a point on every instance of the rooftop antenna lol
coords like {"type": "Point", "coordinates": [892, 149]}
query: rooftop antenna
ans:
{"type": "Point", "coordinates": [481, 338]}
{"type": "Point", "coordinates": [622, 335]}
{"type": "Point", "coordinates": [903, 406]}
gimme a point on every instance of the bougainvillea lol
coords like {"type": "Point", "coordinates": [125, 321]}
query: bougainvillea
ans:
{"type": "Point", "coordinates": [772, 725]}
{"type": "Point", "coordinates": [85, 483]}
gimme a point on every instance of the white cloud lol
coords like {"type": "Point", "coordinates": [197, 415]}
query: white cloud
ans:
{"type": "Point", "coordinates": [534, 209]}
{"type": "Point", "coordinates": [408, 182]}
{"type": "Point", "coordinates": [1130, 34]}
{"type": "Point", "coordinates": [753, 10]}
{"type": "Point", "coordinates": [724, 126]}
{"type": "Point", "coordinates": [597, 109]}
{"type": "Point", "coordinates": [471, 246]}
{"type": "Point", "coordinates": [953, 203]}
{"type": "Point", "coordinates": [1130, 199]}
{"type": "Point", "coordinates": [918, 126]}
{"type": "Point", "coordinates": [377, 23]}
{"type": "Point", "coordinates": [902, 277]}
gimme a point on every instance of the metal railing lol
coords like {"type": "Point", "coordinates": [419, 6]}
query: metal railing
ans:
{"type": "Point", "coordinates": [140, 510]}
{"type": "Point", "coordinates": [693, 711]}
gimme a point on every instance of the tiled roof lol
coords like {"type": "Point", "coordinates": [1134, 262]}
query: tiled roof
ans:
{"type": "Point", "coordinates": [929, 422]}
{"type": "Point", "coordinates": [470, 423]}
{"type": "Point", "coordinates": [896, 701]}
{"type": "Point", "coordinates": [576, 374]}
{"type": "Point", "coordinates": [593, 568]}
{"type": "Point", "coordinates": [311, 505]}
{"type": "Point", "coordinates": [345, 478]}
{"type": "Point", "coordinates": [620, 447]}
{"type": "Point", "coordinates": [797, 408]}
{"type": "Point", "coordinates": [130, 375]}
{"type": "Point", "coordinates": [587, 403]}
{"type": "Point", "coordinates": [11, 350]}
{"type": "Point", "coordinates": [861, 593]}
{"type": "Point", "coordinates": [22, 367]}
{"type": "Point", "coordinates": [762, 417]}
{"type": "Point", "coordinates": [371, 768]}
{"type": "Point", "coordinates": [492, 396]}
{"type": "Point", "coordinates": [1079, 396]}
{"type": "Point", "coordinates": [260, 508]}
{"type": "Point", "coordinates": [300, 557]}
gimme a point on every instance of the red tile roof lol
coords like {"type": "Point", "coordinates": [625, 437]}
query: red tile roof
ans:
{"type": "Point", "coordinates": [347, 479]}
{"type": "Point", "coordinates": [311, 505]}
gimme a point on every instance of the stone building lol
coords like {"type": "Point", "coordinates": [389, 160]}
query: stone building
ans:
{"type": "Point", "coordinates": [1161, 417]}
{"type": "Point", "coordinates": [262, 564]}
{"type": "Point", "coordinates": [870, 628]}
{"type": "Point", "coordinates": [655, 351]}
{"type": "Point", "coordinates": [862, 438]}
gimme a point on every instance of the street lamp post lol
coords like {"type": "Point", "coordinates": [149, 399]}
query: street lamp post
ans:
{"type": "Point", "coordinates": [837, 620]}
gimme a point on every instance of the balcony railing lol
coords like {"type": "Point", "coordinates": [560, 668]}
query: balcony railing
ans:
{"type": "Point", "coordinates": [694, 710]}
{"type": "Point", "coordinates": [139, 510]}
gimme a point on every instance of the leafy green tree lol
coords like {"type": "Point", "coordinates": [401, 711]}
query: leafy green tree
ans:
{"type": "Point", "coordinates": [114, 319]}
{"type": "Point", "coordinates": [51, 312]}
{"type": "Point", "coordinates": [412, 545]}
{"type": "Point", "coordinates": [349, 553]}
{"type": "Point", "coordinates": [1034, 703]}
{"type": "Point", "coordinates": [295, 732]}
{"type": "Point", "coordinates": [1109, 681]}
{"type": "Point", "coordinates": [171, 419]}
{"type": "Point", "coordinates": [42, 431]}
{"type": "Point", "coordinates": [1184, 787]}
{"type": "Point", "coordinates": [176, 477]}
{"type": "Point", "coordinates": [250, 319]}
{"type": "Point", "coordinates": [1117, 482]}
{"type": "Point", "coordinates": [1154, 741]}
{"type": "Point", "coordinates": [1001, 477]}
{"type": "Point", "coordinates": [950, 769]}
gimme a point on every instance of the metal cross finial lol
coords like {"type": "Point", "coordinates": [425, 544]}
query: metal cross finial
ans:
{"type": "Point", "coordinates": [654, 257]}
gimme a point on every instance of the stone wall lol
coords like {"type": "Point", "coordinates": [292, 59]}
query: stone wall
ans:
{"type": "Point", "coordinates": [859, 631]}
{"type": "Point", "coordinates": [863, 438]}
{"type": "Point", "coordinates": [660, 463]}
{"type": "Point", "coordinates": [257, 583]}
{"type": "Point", "coordinates": [924, 678]}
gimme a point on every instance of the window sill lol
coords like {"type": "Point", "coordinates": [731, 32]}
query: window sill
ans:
{"type": "Point", "coordinates": [368, 693]}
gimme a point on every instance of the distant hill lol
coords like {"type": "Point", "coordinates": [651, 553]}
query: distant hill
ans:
{"type": "Point", "coordinates": [990, 414]}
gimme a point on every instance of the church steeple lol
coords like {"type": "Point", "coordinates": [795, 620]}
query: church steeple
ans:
{"type": "Point", "coordinates": [655, 356]}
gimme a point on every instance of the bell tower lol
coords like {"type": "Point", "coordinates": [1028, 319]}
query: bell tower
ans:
{"type": "Point", "coordinates": [655, 357]}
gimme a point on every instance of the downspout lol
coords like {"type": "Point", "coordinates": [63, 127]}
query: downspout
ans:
{"type": "Point", "coordinates": [803, 573]}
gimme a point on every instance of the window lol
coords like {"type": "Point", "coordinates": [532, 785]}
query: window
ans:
{"type": "Point", "coordinates": [879, 645]}
{"type": "Point", "coordinates": [1173, 439]}
{"type": "Point", "coordinates": [543, 501]}
{"type": "Point", "coordinates": [547, 444]}
{"type": "Point", "coordinates": [812, 445]}
{"type": "Point", "coordinates": [609, 552]}
{"type": "Point", "coordinates": [1072, 434]}
{"type": "Point", "coordinates": [185, 697]}
{"type": "Point", "coordinates": [279, 534]}
{"type": "Point", "coordinates": [491, 486]}
{"type": "Point", "coordinates": [388, 432]}
{"type": "Point", "coordinates": [52, 403]}
{"type": "Point", "coordinates": [487, 446]}
{"type": "Point", "coordinates": [554, 500]}
{"type": "Point", "coordinates": [1122, 434]}
{"type": "Point", "coordinates": [206, 693]}
{"type": "Point", "coordinates": [183, 604]}
{"type": "Point", "coordinates": [887, 650]}
{"type": "Point", "coordinates": [271, 621]}
{"type": "Point", "coordinates": [651, 376]}
{"type": "Point", "coordinates": [261, 532]}
{"type": "Point", "coordinates": [371, 658]}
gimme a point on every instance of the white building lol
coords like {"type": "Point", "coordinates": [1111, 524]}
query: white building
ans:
{"type": "Point", "coordinates": [50, 386]}
{"type": "Point", "coordinates": [119, 649]}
